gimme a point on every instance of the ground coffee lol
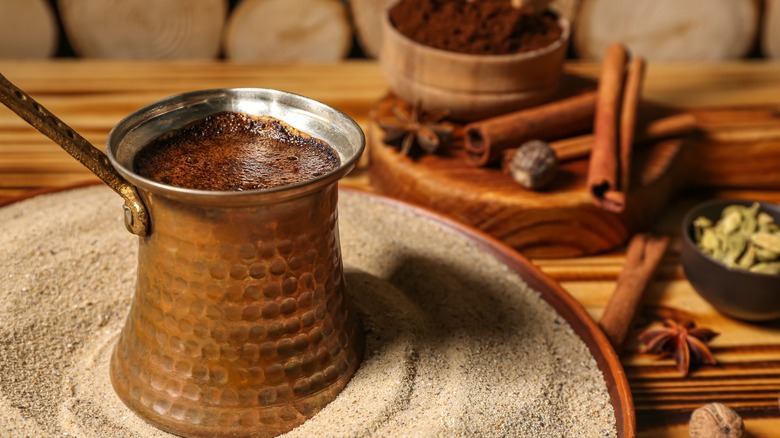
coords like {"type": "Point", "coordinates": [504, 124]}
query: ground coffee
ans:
{"type": "Point", "coordinates": [483, 27]}
{"type": "Point", "coordinates": [232, 152]}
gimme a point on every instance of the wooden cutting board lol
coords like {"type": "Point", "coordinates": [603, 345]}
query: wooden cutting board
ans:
{"type": "Point", "coordinates": [739, 149]}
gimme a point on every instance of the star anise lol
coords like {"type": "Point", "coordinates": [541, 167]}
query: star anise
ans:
{"type": "Point", "coordinates": [684, 341]}
{"type": "Point", "coordinates": [410, 127]}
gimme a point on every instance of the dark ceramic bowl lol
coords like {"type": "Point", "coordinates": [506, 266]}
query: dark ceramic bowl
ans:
{"type": "Point", "coordinates": [733, 292]}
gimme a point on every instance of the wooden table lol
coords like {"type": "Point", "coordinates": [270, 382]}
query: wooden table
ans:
{"type": "Point", "coordinates": [92, 96]}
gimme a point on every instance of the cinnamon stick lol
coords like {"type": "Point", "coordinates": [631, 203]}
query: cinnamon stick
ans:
{"type": "Point", "coordinates": [628, 114]}
{"type": "Point", "coordinates": [486, 140]}
{"type": "Point", "coordinates": [709, 129]}
{"type": "Point", "coordinates": [603, 176]}
{"type": "Point", "coordinates": [579, 147]}
{"type": "Point", "coordinates": [643, 255]}
{"type": "Point", "coordinates": [573, 148]}
{"type": "Point", "coordinates": [670, 126]}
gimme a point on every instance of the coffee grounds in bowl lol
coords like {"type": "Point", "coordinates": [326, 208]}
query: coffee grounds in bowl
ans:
{"type": "Point", "coordinates": [484, 27]}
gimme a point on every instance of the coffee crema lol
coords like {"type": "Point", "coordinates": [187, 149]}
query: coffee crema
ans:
{"type": "Point", "coordinates": [232, 151]}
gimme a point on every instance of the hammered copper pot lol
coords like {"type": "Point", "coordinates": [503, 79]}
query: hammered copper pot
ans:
{"type": "Point", "coordinates": [239, 324]}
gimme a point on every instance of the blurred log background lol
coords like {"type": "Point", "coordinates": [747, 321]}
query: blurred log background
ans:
{"type": "Point", "coordinates": [331, 30]}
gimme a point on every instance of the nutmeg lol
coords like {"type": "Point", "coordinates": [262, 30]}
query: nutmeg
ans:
{"type": "Point", "coordinates": [533, 165]}
{"type": "Point", "coordinates": [715, 420]}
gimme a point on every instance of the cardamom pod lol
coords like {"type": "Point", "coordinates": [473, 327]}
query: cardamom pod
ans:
{"type": "Point", "coordinates": [748, 258]}
{"type": "Point", "coordinates": [765, 255]}
{"type": "Point", "coordinates": [748, 225]}
{"type": "Point", "coordinates": [731, 222]}
{"type": "Point", "coordinates": [770, 241]}
{"type": "Point", "coordinates": [710, 241]}
{"type": "Point", "coordinates": [751, 211]}
{"type": "Point", "coordinates": [704, 222]}
{"type": "Point", "coordinates": [699, 225]}
{"type": "Point", "coordinates": [764, 219]}
{"type": "Point", "coordinates": [735, 246]}
{"type": "Point", "coordinates": [772, 268]}
{"type": "Point", "coordinates": [731, 209]}
{"type": "Point", "coordinates": [743, 237]}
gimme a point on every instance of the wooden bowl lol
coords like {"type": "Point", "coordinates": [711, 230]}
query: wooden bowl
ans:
{"type": "Point", "coordinates": [734, 292]}
{"type": "Point", "coordinates": [470, 87]}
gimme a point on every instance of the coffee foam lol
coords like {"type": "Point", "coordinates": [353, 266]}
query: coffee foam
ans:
{"type": "Point", "coordinates": [231, 151]}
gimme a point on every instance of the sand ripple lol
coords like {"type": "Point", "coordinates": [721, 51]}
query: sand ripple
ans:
{"type": "Point", "coordinates": [456, 344]}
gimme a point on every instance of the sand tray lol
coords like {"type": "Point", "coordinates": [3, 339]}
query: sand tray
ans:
{"type": "Point", "coordinates": [464, 336]}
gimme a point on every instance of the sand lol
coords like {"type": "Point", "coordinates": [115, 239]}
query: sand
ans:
{"type": "Point", "coordinates": [457, 344]}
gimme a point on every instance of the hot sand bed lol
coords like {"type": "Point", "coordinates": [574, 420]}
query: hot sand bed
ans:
{"type": "Point", "coordinates": [456, 343]}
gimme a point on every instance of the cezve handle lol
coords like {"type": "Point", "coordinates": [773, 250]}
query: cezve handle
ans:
{"type": "Point", "coordinates": [136, 216]}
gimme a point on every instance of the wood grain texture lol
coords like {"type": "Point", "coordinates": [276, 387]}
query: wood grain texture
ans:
{"type": "Point", "coordinates": [770, 37]}
{"type": "Point", "coordinates": [93, 96]}
{"type": "Point", "coordinates": [28, 29]}
{"type": "Point", "coordinates": [144, 29]}
{"type": "Point", "coordinates": [661, 30]}
{"type": "Point", "coordinates": [288, 31]}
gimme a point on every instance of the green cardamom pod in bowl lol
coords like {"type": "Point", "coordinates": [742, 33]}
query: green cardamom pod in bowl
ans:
{"type": "Point", "coordinates": [730, 254]}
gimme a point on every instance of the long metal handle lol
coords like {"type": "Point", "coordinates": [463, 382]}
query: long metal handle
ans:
{"type": "Point", "coordinates": [136, 216]}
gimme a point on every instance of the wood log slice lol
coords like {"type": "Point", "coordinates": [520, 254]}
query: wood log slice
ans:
{"type": "Point", "coordinates": [668, 30]}
{"type": "Point", "coordinates": [28, 29]}
{"type": "Point", "coordinates": [288, 31]}
{"type": "Point", "coordinates": [770, 39]}
{"type": "Point", "coordinates": [144, 29]}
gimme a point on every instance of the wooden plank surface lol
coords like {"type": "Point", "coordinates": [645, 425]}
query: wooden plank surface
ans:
{"type": "Point", "coordinates": [92, 96]}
